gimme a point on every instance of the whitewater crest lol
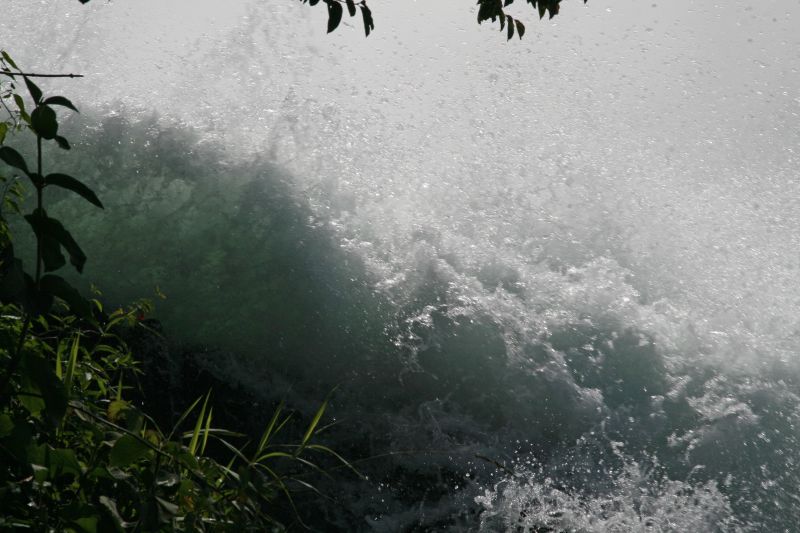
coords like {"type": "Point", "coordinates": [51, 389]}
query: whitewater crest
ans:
{"type": "Point", "coordinates": [634, 500]}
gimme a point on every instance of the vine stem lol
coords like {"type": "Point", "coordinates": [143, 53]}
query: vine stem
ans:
{"type": "Point", "coordinates": [38, 75]}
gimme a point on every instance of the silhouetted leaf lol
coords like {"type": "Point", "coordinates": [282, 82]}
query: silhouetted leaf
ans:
{"type": "Point", "coordinates": [50, 229]}
{"type": "Point", "coordinates": [9, 60]}
{"type": "Point", "coordinates": [366, 15]}
{"type": "Point", "coordinates": [44, 122]}
{"type": "Point", "coordinates": [36, 92]}
{"type": "Point", "coordinates": [13, 158]}
{"type": "Point", "coordinates": [314, 2]}
{"type": "Point", "coordinates": [334, 14]}
{"type": "Point", "coordinates": [58, 287]}
{"type": "Point", "coordinates": [510, 28]}
{"type": "Point", "coordinates": [21, 106]}
{"type": "Point", "coordinates": [520, 28]}
{"type": "Point", "coordinates": [41, 379]}
{"type": "Point", "coordinates": [62, 143]}
{"type": "Point", "coordinates": [60, 100]}
{"type": "Point", "coordinates": [72, 184]}
{"type": "Point", "coordinates": [351, 7]}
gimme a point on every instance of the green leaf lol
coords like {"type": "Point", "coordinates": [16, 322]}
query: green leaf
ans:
{"type": "Point", "coordinates": [44, 122]}
{"type": "Point", "coordinates": [6, 425]}
{"type": "Point", "coordinates": [334, 14]}
{"type": "Point", "coordinates": [68, 182]}
{"type": "Point", "coordinates": [58, 287]}
{"type": "Point", "coordinates": [60, 100]}
{"type": "Point", "coordinates": [13, 158]}
{"type": "Point", "coordinates": [351, 7]}
{"type": "Point", "coordinates": [366, 15]}
{"type": "Point", "coordinates": [198, 426]}
{"type": "Point", "coordinates": [8, 59]}
{"type": "Point", "coordinates": [311, 427]}
{"type": "Point", "coordinates": [50, 230]}
{"type": "Point", "coordinates": [36, 92]}
{"type": "Point", "coordinates": [21, 105]}
{"type": "Point", "coordinates": [115, 408]}
{"type": "Point", "coordinates": [269, 429]}
{"type": "Point", "coordinates": [127, 450]}
{"type": "Point", "coordinates": [87, 524]}
{"type": "Point", "coordinates": [3, 131]}
{"type": "Point", "coordinates": [62, 461]}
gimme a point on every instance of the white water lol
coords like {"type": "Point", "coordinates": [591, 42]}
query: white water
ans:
{"type": "Point", "coordinates": [629, 166]}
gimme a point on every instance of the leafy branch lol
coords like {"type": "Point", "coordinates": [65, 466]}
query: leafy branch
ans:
{"type": "Point", "coordinates": [494, 10]}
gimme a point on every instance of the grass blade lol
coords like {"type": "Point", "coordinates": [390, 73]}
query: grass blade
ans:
{"type": "Point", "coordinates": [198, 426]}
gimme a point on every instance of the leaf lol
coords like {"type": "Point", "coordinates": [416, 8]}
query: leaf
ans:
{"type": "Point", "coordinates": [168, 507]}
{"type": "Point", "coordinates": [73, 361]}
{"type": "Point", "coordinates": [314, 2]}
{"type": "Point", "coordinates": [3, 131]}
{"type": "Point", "coordinates": [62, 461]}
{"type": "Point", "coordinates": [334, 14]}
{"type": "Point", "coordinates": [44, 122]}
{"type": "Point", "coordinates": [13, 158]}
{"type": "Point", "coordinates": [127, 450]}
{"type": "Point", "coordinates": [111, 506]}
{"type": "Point", "coordinates": [12, 278]}
{"type": "Point", "coordinates": [50, 229]}
{"type": "Point", "coordinates": [62, 143]}
{"type": "Point", "coordinates": [60, 100]}
{"type": "Point", "coordinates": [506, 3]}
{"type": "Point", "coordinates": [39, 378]}
{"type": "Point", "coordinates": [115, 408]}
{"type": "Point", "coordinates": [510, 28]}
{"type": "Point", "coordinates": [207, 431]}
{"type": "Point", "coordinates": [68, 182]}
{"type": "Point", "coordinates": [21, 105]}
{"type": "Point", "coordinates": [6, 425]}
{"type": "Point", "coordinates": [312, 426]}
{"type": "Point", "coordinates": [88, 524]}
{"type": "Point", "coordinates": [351, 7]}
{"type": "Point", "coordinates": [520, 28]}
{"type": "Point", "coordinates": [52, 257]}
{"type": "Point", "coordinates": [366, 14]}
{"type": "Point", "coordinates": [198, 425]}
{"type": "Point", "coordinates": [9, 60]}
{"type": "Point", "coordinates": [36, 92]}
{"type": "Point", "coordinates": [269, 429]}
{"type": "Point", "coordinates": [58, 287]}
